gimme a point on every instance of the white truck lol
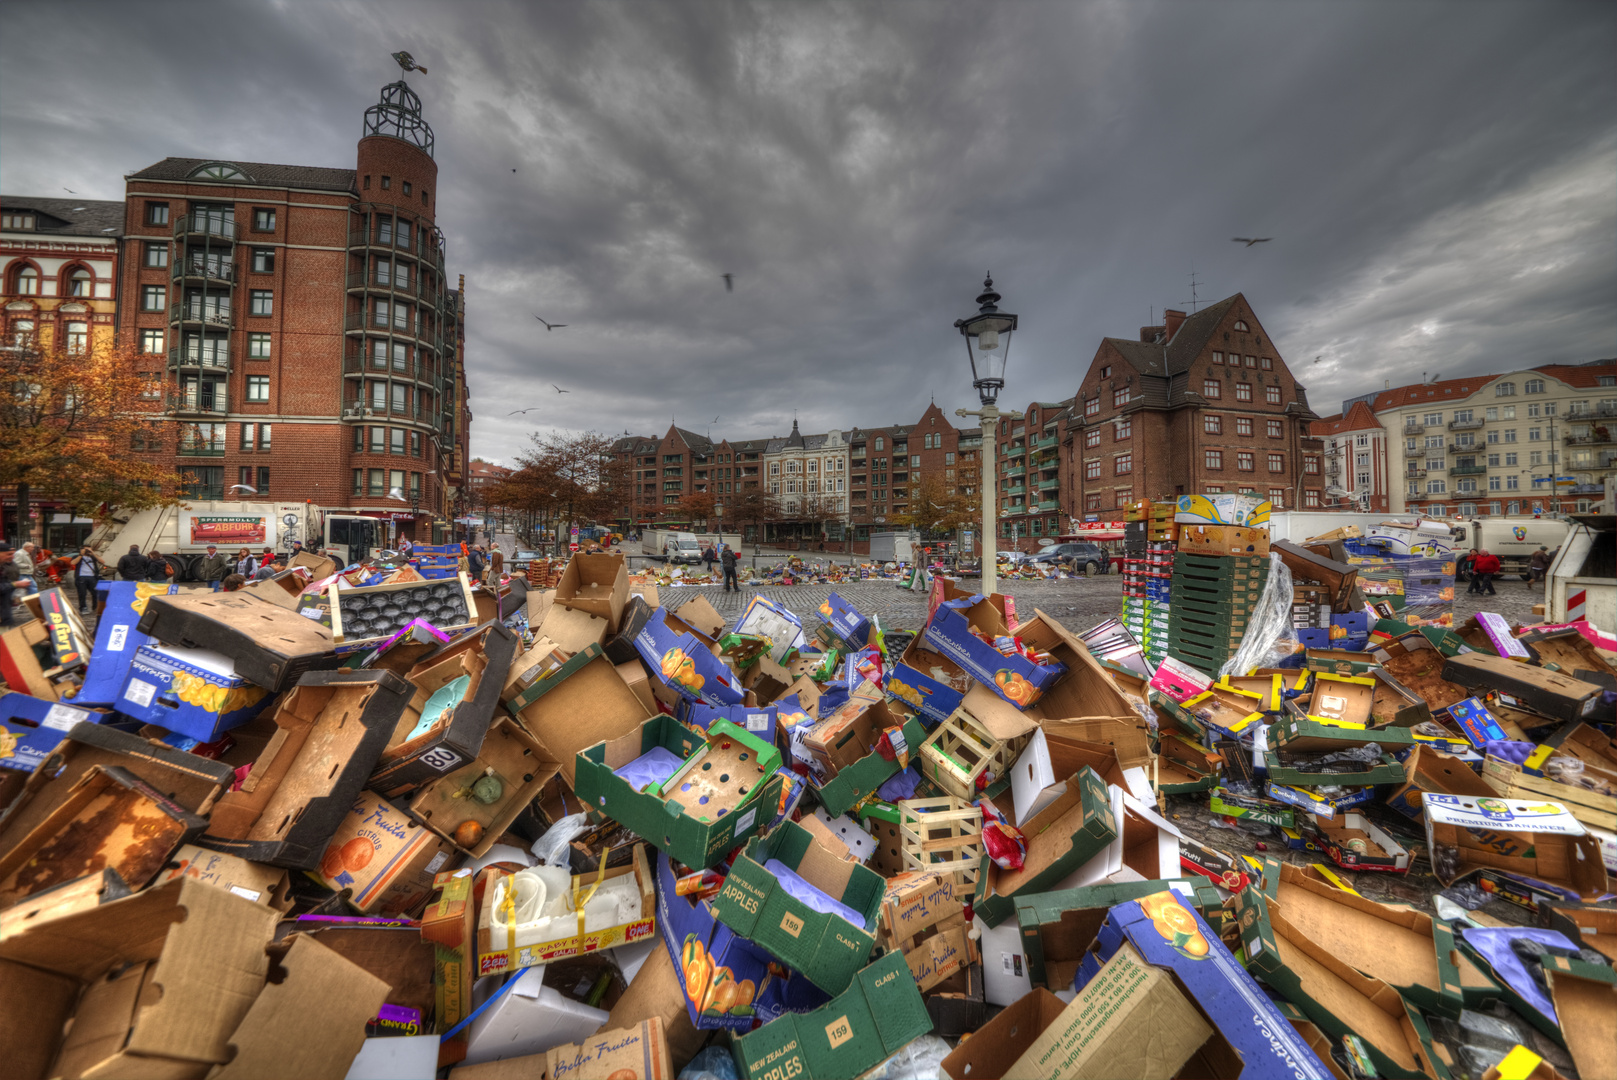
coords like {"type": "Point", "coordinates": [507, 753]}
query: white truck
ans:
{"type": "Point", "coordinates": [1582, 581]}
{"type": "Point", "coordinates": [671, 546]}
{"type": "Point", "coordinates": [182, 533]}
{"type": "Point", "coordinates": [1512, 539]}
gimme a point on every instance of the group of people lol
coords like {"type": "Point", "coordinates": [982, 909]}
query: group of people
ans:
{"type": "Point", "coordinates": [725, 556]}
{"type": "Point", "coordinates": [1482, 566]}
{"type": "Point", "coordinates": [29, 568]}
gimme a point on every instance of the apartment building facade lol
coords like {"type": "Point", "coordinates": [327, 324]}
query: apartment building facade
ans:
{"type": "Point", "coordinates": [302, 328]}
{"type": "Point", "coordinates": [1028, 462]}
{"type": "Point", "coordinates": [1356, 466]}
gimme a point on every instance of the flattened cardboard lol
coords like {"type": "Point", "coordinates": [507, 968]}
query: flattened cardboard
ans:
{"type": "Point", "coordinates": [1586, 1005]}
{"type": "Point", "coordinates": [511, 756]}
{"type": "Point", "coordinates": [386, 858]}
{"type": "Point", "coordinates": [640, 1051]}
{"type": "Point", "coordinates": [270, 646]}
{"type": "Point", "coordinates": [484, 655]}
{"type": "Point", "coordinates": [580, 707]}
{"type": "Point", "coordinates": [1060, 838]}
{"type": "Point", "coordinates": [332, 727]}
{"type": "Point", "coordinates": [112, 819]}
{"type": "Point", "coordinates": [825, 947]}
{"type": "Point", "coordinates": [597, 584]}
{"type": "Point", "coordinates": [204, 947]}
{"type": "Point", "coordinates": [1550, 693]}
{"type": "Point", "coordinates": [258, 882]}
{"type": "Point", "coordinates": [878, 1014]}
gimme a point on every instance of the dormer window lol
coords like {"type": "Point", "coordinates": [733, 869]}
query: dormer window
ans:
{"type": "Point", "coordinates": [18, 222]}
{"type": "Point", "coordinates": [1241, 326]}
{"type": "Point", "coordinates": [218, 170]}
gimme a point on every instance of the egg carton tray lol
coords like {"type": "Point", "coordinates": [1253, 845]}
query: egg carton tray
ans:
{"type": "Point", "coordinates": [376, 612]}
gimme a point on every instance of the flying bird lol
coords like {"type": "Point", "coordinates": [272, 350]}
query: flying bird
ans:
{"type": "Point", "coordinates": [407, 62]}
{"type": "Point", "coordinates": [729, 282]}
{"type": "Point", "coordinates": [70, 191]}
{"type": "Point", "coordinates": [243, 487]}
{"type": "Point", "coordinates": [519, 412]}
{"type": "Point", "coordinates": [549, 326]}
{"type": "Point", "coordinates": [1250, 240]}
{"type": "Point", "coordinates": [559, 390]}
{"type": "Point", "coordinates": [1429, 382]}
{"type": "Point", "coordinates": [1318, 358]}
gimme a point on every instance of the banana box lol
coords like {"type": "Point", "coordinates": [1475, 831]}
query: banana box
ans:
{"type": "Point", "coordinates": [193, 692]}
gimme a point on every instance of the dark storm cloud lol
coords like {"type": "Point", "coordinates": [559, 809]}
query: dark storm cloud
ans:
{"type": "Point", "coordinates": [1440, 180]}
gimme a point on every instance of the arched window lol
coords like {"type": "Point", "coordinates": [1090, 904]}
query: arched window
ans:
{"type": "Point", "coordinates": [78, 282]}
{"type": "Point", "coordinates": [24, 281]}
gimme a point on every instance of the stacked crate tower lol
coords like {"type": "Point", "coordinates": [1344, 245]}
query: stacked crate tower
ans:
{"type": "Point", "coordinates": [1214, 600]}
{"type": "Point", "coordinates": [1148, 554]}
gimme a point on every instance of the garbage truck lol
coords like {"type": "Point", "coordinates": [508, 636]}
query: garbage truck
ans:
{"type": "Point", "coordinates": [182, 533]}
{"type": "Point", "coordinates": [1582, 581]}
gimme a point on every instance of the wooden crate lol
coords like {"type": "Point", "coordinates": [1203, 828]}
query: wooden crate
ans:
{"type": "Point", "coordinates": [961, 749]}
{"type": "Point", "coordinates": [943, 835]}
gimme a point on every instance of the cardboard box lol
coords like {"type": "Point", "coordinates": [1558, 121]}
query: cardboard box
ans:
{"type": "Point", "coordinates": [619, 647]}
{"type": "Point", "coordinates": [450, 925]}
{"type": "Point", "coordinates": [921, 917]}
{"type": "Point", "coordinates": [597, 584]}
{"type": "Point", "coordinates": [1243, 510]}
{"type": "Point", "coordinates": [268, 645]}
{"type": "Point", "coordinates": [956, 1005]}
{"type": "Point", "coordinates": [32, 727]}
{"type": "Point", "coordinates": [1592, 926]}
{"type": "Point", "coordinates": [981, 739]}
{"type": "Point", "coordinates": [1058, 927]}
{"type": "Point", "coordinates": [1338, 998]}
{"type": "Point", "coordinates": [686, 663]}
{"type": "Point", "coordinates": [1184, 766]}
{"type": "Point", "coordinates": [1223, 540]}
{"type": "Point", "coordinates": [193, 692]}
{"type": "Point", "coordinates": [723, 790]}
{"type": "Point", "coordinates": [852, 783]}
{"type": "Point", "coordinates": [1563, 649]}
{"type": "Point", "coordinates": [1255, 1039]}
{"type": "Point", "coordinates": [1513, 781]}
{"type": "Point", "coordinates": [1060, 839]}
{"type": "Point", "coordinates": [584, 703]}
{"type": "Point", "coordinates": [422, 747]}
{"type": "Point", "coordinates": [762, 616]}
{"type": "Point", "coordinates": [1284, 766]}
{"type": "Point", "coordinates": [332, 727]}
{"type": "Point", "coordinates": [21, 650]}
{"type": "Point", "coordinates": [855, 1031]}
{"type": "Point", "coordinates": [116, 639]}
{"type": "Point", "coordinates": [67, 643]}
{"type": "Point", "coordinates": [385, 858]}
{"type": "Point", "coordinates": [1355, 842]}
{"type": "Point", "coordinates": [202, 946]}
{"type": "Point", "coordinates": [655, 993]}
{"type": "Point", "coordinates": [1537, 843]}
{"type": "Point", "coordinates": [531, 1019]}
{"type": "Point", "coordinates": [509, 756]}
{"type": "Point", "coordinates": [927, 681]}
{"type": "Point", "coordinates": [826, 947]}
{"type": "Point", "coordinates": [258, 882]}
{"type": "Point", "coordinates": [1015, 678]}
{"type": "Point", "coordinates": [640, 1051]}
{"type": "Point", "coordinates": [707, 956]}
{"type": "Point", "coordinates": [559, 937]}
{"type": "Point", "coordinates": [1307, 565]}
{"type": "Point", "coordinates": [374, 613]}
{"type": "Point", "coordinates": [1550, 693]}
{"type": "Point", "coordinates": [1427, 770]}
{"type": "Point", "coordinates": [850, 625]}
{"type": "Point", "coordinates": [634, 676]}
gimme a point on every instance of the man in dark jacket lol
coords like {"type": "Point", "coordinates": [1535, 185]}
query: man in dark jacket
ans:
{"type": "Point", "coordinates": [133, 567]}
{"type": "Point", "coordinates": [474, 563]}
{"type": "Point", "coordinates": [727, 559]}
{"type": "Point", "coordinates": [1487, 566]}
{"type": "Point", "coordinates": [1539, 563]}
{"type": "Point", "coordinates": [710, 557]}
{"type": "Point", "coordinates": [212, 568]}
{"type": "Point", "coordinates": [8, 584]}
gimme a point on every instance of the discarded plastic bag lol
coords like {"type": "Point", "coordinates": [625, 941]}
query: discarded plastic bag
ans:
{"type": "Point", "coordinates": [551, 848]}
{"type": "Point", "coordinates": [1269, 638]}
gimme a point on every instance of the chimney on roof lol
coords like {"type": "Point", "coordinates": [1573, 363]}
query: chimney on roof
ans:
{"type": "Point", "coordinates": [1151, 333]}
{"type": "Point", "coordinates": [1171, 320]}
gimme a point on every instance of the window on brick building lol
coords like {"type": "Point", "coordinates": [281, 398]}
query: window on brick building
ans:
{"type": "Point", "coordinates": [1252, 361]}
{"type": "Point", "coordinates": [396, 441]}
{"type": "Point", "coordinates": [1311, 465]}
{"type": "Point", "coordinates": [415, 444]}
{"type": "Point", "coordinates": [153, 297]}
{"type": "Point", "coordinates": [1123, 429]}
{"type": "Point", "coordinates": [1240, 326]}
{"type": "Point", "coordinates": [405, 187]}
{"type": "Point", "coordinates": [1213, 459]}
{"type": "Point", "coordinates": [1092, 502]}
{"type": "Point", "coordinates": [263, 219]}
{"type": "Point", "coordinates": [263, 437]}
{"type": "Point", "coordinates": [157, 255]}
{"type": "Point", "coordinates": [1122, 464]}
{"type": "Point", "coordinates": [1091, 438]}
{"type": "Point", "coordinates": [1277, 496]}
{"type": "Point", "coordinates": [1092, 406]}
{"type": "Point", "coordinates": [1243, 391]}
{"type": "Point", "coordinates": [376, 482]}
{"type": "Point", "coordinates": [1212, 389]}
{"type": "Point", "coordinates": [258, 346]}
{"type": "Point", "coordinates": [1092, 470]}
{"type": "Point", "coordinates": [387, 183]}
{"type": "Point", "coordinates": [1271, 395]}
{"type": "Point", "coordinates": [1120, 397]}
{"type": "Point", "coordinates": [78, 338]}
{"type": "Point", "coordinates": [1218, 358]}
{"type": "Point", "coordinates": [1243, 425]}
{"type": "Point", "coordinates": [1213, 489]}
{"type": "Point", "coordinates": [258, 388]}
{"type": "Point", "coordinates": [248, 433]}
{"type": "Point", "coordinates": [1212, 424]}
{"type": "Point", "coordinates": [151, 341]}
{"type": "Point", "coordinates": [359, 439]}
{"type": "Point", "coordinates": [1267, 363]}
{"type": "Point", "coordinates": [378, 440]}
{"type": "Point", "coordinates": [1275, 429]}
{"type": "Point", "coordinates": [1243, 460]}
{"type": "Point", "coordinates": [1311, 498]}
{"type": "Point", "coordinates": [1277, 462]}
{"type": "Point", "coordinates": [261, 302]}
{"type": "Point", "coordinates": [263, 260]}
{"type": "Point", "coordinates": [1121, 498]}
{"type": "Point", "coordinates": [157, 213]}
{"type": "Point", "coordinates": [423, 196]}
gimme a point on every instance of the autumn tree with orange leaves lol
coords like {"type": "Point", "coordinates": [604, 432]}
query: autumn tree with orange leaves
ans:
{"type": "Point", "coordinates": [68, 424]}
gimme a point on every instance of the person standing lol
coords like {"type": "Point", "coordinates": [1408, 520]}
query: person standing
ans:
{"type": "Point", "coordinates": [212, 568]}
{"type": "Point", "coordinates": [474, 562]}
{"type": "Point", "coordinates": [1539, 564]}
{"type": "Point", "coordinates": [8, 584]}
{"type": "Point", "coordinates": [132, 567]}
{"type": "Point", "coordinates": [245, 563]}
{"type": "Point", "coordinates": [496, 563]}
{"type": "Point", "coordinates": [1487, 566]}
{"type": "Point", "coordinates": [86, 570]}
{"type": "Point", "coordinates": [727, 559]}
{"type": "Point", "coordinates": [23, 561]}
{"type": "Point", "coordinates": [1466, 568]}
{"type": "Point", "coordinates": [710, 557]}
{"type": "Point", "coordinates": [157, 567]}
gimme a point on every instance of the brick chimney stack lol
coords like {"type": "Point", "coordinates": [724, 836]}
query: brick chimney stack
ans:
{"type": "Point", "coordinates": [1171, 320]}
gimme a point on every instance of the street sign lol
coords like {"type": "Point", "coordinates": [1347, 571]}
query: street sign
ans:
{"type": "Point", "coordinates": [968, 539]}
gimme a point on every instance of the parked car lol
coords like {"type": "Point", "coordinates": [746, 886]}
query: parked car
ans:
{"type": "Point", "coordinates": [1089, 557]}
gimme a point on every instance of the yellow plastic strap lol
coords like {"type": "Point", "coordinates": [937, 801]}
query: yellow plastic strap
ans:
{"type": "Point", "coordinates": [508, 911]}
{"type": "Point", "coordinates": [1335, 879]}
{"type": "Point", "coordinates": [1518, 1064]}
{"type": "Point", "coordinates": [583, 896]}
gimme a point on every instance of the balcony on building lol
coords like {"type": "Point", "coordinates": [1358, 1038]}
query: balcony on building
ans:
{"type": "Point", "coordinates": [1049, 483]}
{"type": "Point", "coordinates": [1463, 448]}
{"type": "Point", "coordinates": [1017, 470]}
{"type": "Point", "coordinates": [1585, 489]}
{"type": "Point", "coordinates": [1598, 435]}
{"type": "Point", "coordinates": [194, 311]}
{"type": "Point", "coordinates": [1413, 427]}
{"type": "Point", "coordinates": [215, 271]}
{"type": "Point", "coordinates": [205, 223]}
{"type": "Point", "coordinates": [1014, 489]}
{"type": "Point", "coordinates": [1465, 425]}
{"type": "Point", "coordinates": [1415, 473]}
{"type": "Point", "coordinates": [1467, 470]}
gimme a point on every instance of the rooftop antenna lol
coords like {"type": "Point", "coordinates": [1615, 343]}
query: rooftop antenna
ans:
{"type": "Point", "coordinates": [1193, 284]}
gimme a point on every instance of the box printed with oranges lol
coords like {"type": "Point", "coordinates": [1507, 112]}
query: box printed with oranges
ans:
{"type": "Point", "coordinates": [962, 631]}
{"type": "Point", "coordinates": [684, 663]}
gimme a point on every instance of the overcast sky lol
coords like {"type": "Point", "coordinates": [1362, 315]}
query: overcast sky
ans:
{"type": "Point", "coordinates": [1440, 180]}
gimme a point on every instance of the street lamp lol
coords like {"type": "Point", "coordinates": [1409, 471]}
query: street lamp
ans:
{"type": "Point", "coordinates": [988, 346]}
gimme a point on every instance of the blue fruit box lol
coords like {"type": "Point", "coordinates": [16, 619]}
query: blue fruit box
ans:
{"type": "Point", "coordinates": [846, 621]}
{"type": "Point", "coordinates": [117, 639]}
{"type": "Point", "coordinates": [768, 619]}
{"type": "Point", "coordinates": [707, 955]}
{"type": "Point", "coordinates": [1169, 934]}
{"type": "Point", "coordinates": [912, 682]}
{"type": "Point", "coordinates": [191, 692]}
{"type": "Point", "coordinates": [1015, 678]}
{"type": "Point", "coordinates": [31, 727]}
{"type": "Point", "coordinates": [1479, 725]}
{"type": "Point", "coordinates": [759, 720]}
{"type": "Point", "coordinates": [686, 665]}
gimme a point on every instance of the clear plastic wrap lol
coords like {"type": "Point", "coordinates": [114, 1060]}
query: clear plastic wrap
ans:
{"type": "Point", "coordinates": [1269, 638]}
{"type": "Point", "coordinates": [551, 848]}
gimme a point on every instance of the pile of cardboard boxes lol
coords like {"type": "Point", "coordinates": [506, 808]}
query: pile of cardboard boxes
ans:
{"type": "Point", "coordinates": [387, 822]}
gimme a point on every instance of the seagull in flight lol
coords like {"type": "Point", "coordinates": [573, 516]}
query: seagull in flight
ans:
{"type": "Point", "coordinates": [729, 282]}
{"type": "Point", "coordinates": [559, 390]}
{"type": "Point", "coordinates": [519, 412]}
{"type": "Point", "coordinates": [243, 487]}
{"type": "Point", "coordinates": [70, 191]}
{"type": "Point", "coordinates": [1318, 358]}
{"type": "Point", "coordinates": [1250, 240]}
{"type": "Point", "coordinates": [549, 326]}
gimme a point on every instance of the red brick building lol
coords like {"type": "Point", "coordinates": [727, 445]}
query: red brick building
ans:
{"type": "Point", "coordinates": [302, 327]}
{"type": "Point", "coordinates": [1201, 404]}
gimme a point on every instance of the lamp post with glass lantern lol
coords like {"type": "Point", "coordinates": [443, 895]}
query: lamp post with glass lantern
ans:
{"type": "Point", "coordinates": [988, 346]}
